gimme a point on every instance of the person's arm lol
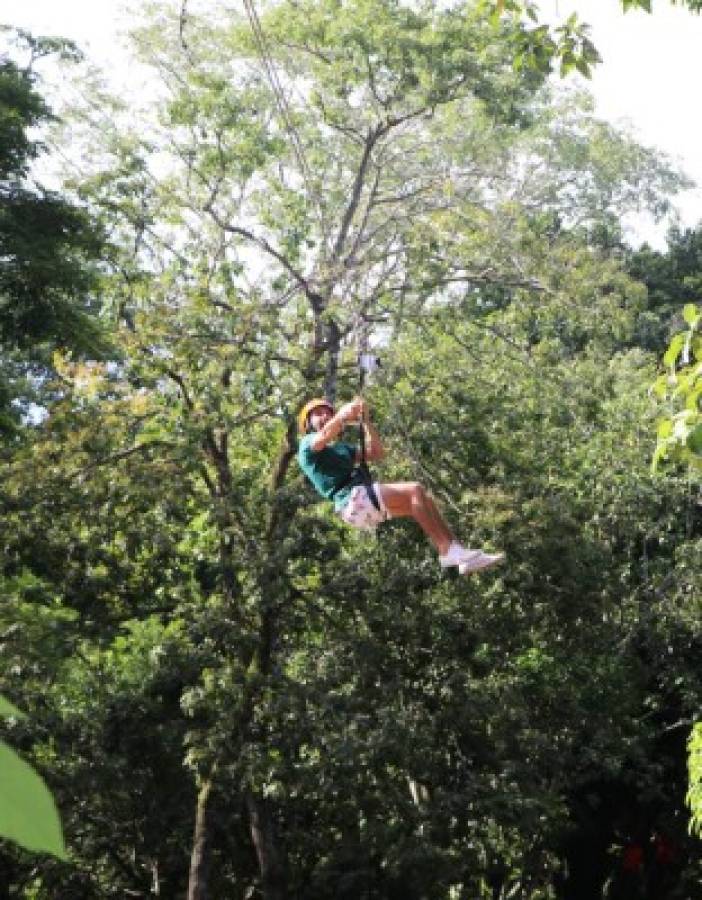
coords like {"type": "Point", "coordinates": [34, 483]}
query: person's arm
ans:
{"type": "Point", "coordinates": [374, 446]}
{"type": "Point", "coordinates": [336, 424]}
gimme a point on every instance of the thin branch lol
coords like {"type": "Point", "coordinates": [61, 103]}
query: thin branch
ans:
{"type": "Point", "coordinates": [313, 296]}
{"type": "Point", "coordinates": [313, 51]}
{"type": "Point", "coordinates": [370, 204]}
{"type": "Point", "coordinates": [356, 193]}
{"type": "Point", "coordinates": [182, 21]}
{"type": "Point", "coordinates": [180, 381]}
{"type": "Point", "coordinates": [120, 455]}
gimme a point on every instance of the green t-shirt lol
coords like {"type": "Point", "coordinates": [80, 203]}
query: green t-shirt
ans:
{"type": "Point", "coordinates": [328, 468]}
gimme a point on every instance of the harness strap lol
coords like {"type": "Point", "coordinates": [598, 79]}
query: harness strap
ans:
{"type": "Point", "coordinates": [368, 485]}
{"type": "Point", "coordinates": [366, 480]}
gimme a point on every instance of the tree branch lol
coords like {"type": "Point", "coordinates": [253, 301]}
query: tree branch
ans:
{"type": "Point", "coordinates": [356, 192]}
{"type": "Point", "coordinates": [315, 299]}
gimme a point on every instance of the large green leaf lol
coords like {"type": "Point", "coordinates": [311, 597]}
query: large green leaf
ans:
{"type": "Point", "coordinates": [694, 764]}
{"type": "Point", "coordinates": [691, 314]}
{"type": "Point", "coordinates": [674, 349]}
{"type": "Point", "coordinates": [694, 440]}
{"type": "Point", "coordinates": [8, 710]}
{"type": "Point", "coordinates": [28, 813]}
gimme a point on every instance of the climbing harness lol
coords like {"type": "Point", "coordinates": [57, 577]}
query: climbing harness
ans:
{"type": "Point", "coordinates": [360, 473]}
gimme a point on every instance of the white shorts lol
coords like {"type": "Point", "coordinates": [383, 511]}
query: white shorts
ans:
{"type": "Point", "coordinates": [359, 510]}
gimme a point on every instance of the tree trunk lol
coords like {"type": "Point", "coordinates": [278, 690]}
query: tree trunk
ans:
{"type": "Point", "coordinates": [197, 882]}
{"type": "Point", "coordinates": [271, 860]}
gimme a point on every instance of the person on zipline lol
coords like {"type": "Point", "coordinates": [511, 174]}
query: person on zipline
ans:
{"type": "Point", "coordinates": [336, 471]}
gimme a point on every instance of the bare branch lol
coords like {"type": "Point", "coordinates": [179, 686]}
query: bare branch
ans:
{"type": "Point", "coordinates": [315, 299]}
{"type": "Point", "coordinates": [313, 51]}
{"type": "Point", "coordinates": [364, 222]}
{"type": "Point", "coordinates": [182, 21]}
{"type": "Point", "coordinates": [356, 193]}
{"type": "Point", "coordinates": [180, 381]}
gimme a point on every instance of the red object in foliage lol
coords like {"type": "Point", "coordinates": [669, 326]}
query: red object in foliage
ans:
{"type": "Point", "coordinates": [632, 860]}
{"type": "Point", "coordinates": [664, 850]}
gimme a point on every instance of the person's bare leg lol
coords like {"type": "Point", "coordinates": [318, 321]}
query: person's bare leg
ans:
{"type": "Point", "coordinates": [440, 529]}
{"type": "Point", "coordinates": [410, 499]}
{"type": "Point", "coordinates": [438, 518]}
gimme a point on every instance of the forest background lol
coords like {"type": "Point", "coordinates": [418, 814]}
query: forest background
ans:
{"type": "Point", "coordinates": [229, 694]}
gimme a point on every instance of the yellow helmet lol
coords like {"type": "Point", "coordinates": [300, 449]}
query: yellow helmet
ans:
{"type": "Point", "coordinates": [307, 409]}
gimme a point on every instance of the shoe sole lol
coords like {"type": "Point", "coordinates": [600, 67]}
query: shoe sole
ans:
{"type": "Point", "coordinates": [466, 560]}
{"type": "Point", "coordinates": [468, 569]}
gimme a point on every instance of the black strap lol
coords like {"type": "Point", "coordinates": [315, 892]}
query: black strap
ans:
{"type": "Point", "coordinates": [362, 468]}
{"type": "Point", "coordinates": [368, 485]}
{"type": "Point", "coordinates": [342, 484]}
{"type": "Point", "coordinates": [366, 480]}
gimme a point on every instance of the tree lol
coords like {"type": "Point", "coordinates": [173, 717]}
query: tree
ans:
{"type": "Point", "coordinates": [350, 723]}
{"type": "Point", "coordinates": [48, 246]}
{"type": "Point", "coordinates": [568, 44]}
{"type": "Point", "coordinates": [679, 442]}
{"type": "Point", "coordinates": [310, 239]}
{"type": "Point", "coordinates": [43, 241]}
{"type": "Point", "coordinates": [680, 435]}
{"type": "Point", "coordinates": [672, 279]}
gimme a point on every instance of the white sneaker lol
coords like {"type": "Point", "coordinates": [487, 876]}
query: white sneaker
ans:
{"type": "Point", "coordinates": [482, 561]}
{"type": "Point", "coordinates": [457, 555]}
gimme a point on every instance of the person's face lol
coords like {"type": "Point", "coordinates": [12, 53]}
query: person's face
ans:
{"type": "Point", "coordinates": [319, 417]}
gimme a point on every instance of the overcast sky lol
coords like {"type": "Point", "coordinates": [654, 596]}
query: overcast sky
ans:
{"type": "Point", "coordinates": [650, 75]}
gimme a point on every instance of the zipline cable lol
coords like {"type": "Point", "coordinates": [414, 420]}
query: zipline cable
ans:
{"type": "Point", "coordinates": [278, 93]}
{"type": "Point", "coordinates": [274, 82]}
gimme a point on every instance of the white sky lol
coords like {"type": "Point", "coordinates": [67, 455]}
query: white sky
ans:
{"type": "Point", "coordinates": [650, 75]}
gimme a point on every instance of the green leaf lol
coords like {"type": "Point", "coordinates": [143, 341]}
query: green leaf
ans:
{"type": "Point", "coordinates": [8, 710]}
{"type": "Point", "coordinates": [683, 383]}
{"type": "Point", "coordinates": [28, 813]}
{"type": "Point", "coordinates": [673, 351]}
{"type": "Point", "coordinates": [660, 386]}
{"type": "Point", "coordinates": [694, 795]}
{"type": "Point", "coordinates": [665, 429]}
{"type": "Point", "coordinates": [694, 440]}
{"type": "Point", "coordinates": [691, 314]}
{"type": "Point", "coordinates": [660, 454]}
{"type": "Point", "coordinates": [692, 401]}
{"type": "Point", "coordinates": [583, 67]}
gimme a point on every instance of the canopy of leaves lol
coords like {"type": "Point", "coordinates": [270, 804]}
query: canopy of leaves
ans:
{"type": "Point", "coordinates": [204, 649]}
{"type": "Point", "coordinates": [680, 435]}
{"type": "Point", "coordinates": [46, 245]}
{"type": "Point", "coordinates": [567, 44]}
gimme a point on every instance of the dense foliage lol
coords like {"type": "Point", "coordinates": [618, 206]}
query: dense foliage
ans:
{"type": "Point", "coordinates": [47, 246]}
{"type": "Point", "coordinates": [679, 430]}
{"type": "Point", "coordinates": [232, 695]}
